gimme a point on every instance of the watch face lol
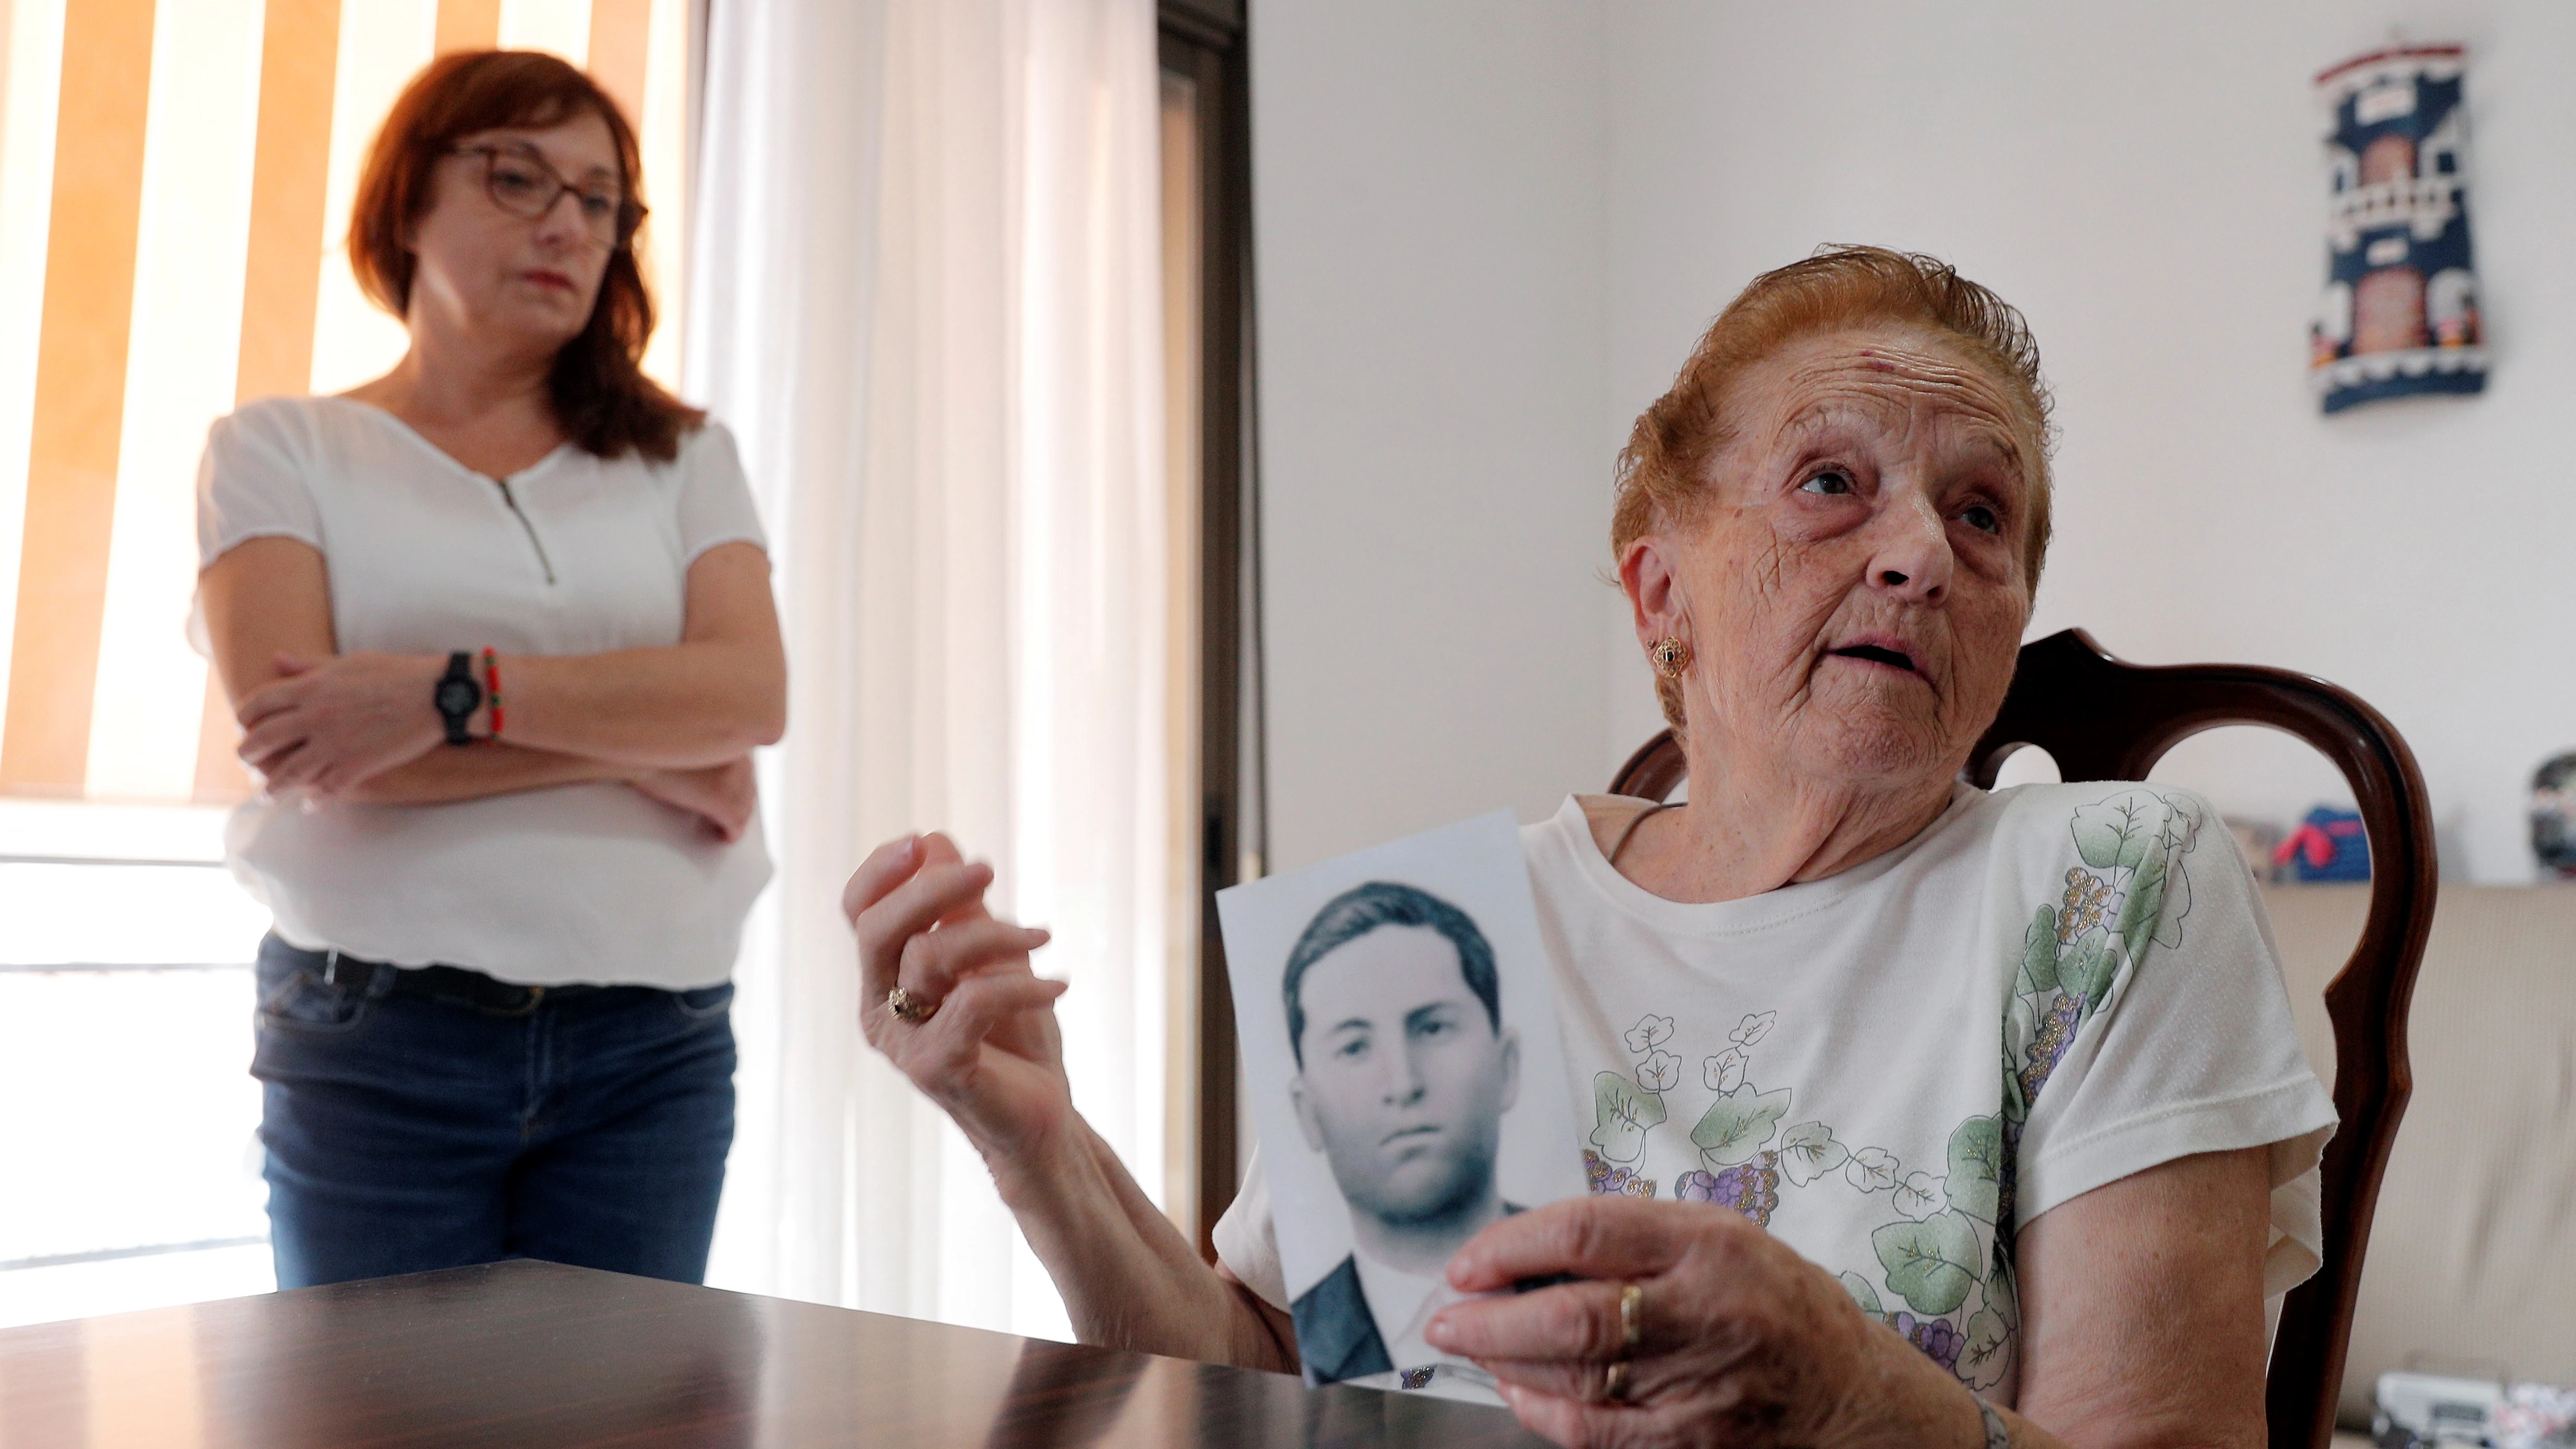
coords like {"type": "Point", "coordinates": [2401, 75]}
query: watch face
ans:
{"type": "Point", "coordinates": [457, 696]}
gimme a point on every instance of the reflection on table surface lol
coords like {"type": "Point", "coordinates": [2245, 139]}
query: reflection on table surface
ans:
{"type": "Point", "coordinates": [525, 1353]}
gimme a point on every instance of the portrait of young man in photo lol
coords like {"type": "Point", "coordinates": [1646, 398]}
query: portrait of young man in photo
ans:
{"type": "Point", "coordinates": [1404, 1072]}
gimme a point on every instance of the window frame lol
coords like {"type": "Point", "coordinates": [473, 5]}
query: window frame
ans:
{"type": "Point", "coordinates": [1206, 42]}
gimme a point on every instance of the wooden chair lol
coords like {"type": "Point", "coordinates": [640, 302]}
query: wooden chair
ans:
{"type": "Point", "coordinates": [2102, 719]}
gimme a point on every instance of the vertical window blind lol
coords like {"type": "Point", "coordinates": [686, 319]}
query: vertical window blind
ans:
{"type": "Point", "coordinates": [175, 184]}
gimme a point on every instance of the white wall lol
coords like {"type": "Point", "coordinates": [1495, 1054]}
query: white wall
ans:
{"type": "Point", "coordinates": [1489, 231]}
{"type": "Point", "coordinates": [1428, 185]}
{"type": "Point", "coordinates": [2143, 182]}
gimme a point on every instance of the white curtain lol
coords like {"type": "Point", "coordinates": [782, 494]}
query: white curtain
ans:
{"type": "Point", "coordinates": [926, 298]}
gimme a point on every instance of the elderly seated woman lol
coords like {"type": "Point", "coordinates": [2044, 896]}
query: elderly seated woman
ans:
{"type": "Point", "coordinates": [1922, 1115]}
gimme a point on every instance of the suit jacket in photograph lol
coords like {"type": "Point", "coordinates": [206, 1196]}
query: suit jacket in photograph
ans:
{"type": "Point", "coordinates": [1336, 1334]}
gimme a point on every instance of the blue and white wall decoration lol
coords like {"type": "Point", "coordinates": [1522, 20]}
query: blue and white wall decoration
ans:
{"type": "Point", "coordinates": [2400, 311]}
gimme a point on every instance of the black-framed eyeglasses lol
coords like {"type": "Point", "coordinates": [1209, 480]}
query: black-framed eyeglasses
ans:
{"type": "Point", "coordinates": [522, 183]}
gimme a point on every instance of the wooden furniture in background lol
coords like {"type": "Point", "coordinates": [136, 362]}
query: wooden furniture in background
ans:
{"type": "Point", "coordinates": [2103, 719]}
{"type": "Point", "coordinates": [525, 1353]}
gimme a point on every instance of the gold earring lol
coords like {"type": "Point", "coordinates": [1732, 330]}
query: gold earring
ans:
{"type": "Point", "coordinates": [1670, 657]}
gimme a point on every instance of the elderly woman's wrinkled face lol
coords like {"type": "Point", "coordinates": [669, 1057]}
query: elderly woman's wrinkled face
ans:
{"type": "Point", "coordinates": [1854, 589]}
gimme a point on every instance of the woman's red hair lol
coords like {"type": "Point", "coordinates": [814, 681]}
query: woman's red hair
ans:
{"type": "Point", "coordinates": [602, 399]}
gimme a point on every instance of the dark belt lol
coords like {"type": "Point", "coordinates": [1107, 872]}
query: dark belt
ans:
{"type": "Point", "coordinates": [453, 985]}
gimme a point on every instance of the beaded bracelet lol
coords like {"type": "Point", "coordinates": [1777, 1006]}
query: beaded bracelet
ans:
{"type": "Point", "coordinates": [492, 689]}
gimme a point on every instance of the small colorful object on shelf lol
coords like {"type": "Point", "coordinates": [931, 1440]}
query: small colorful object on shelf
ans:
{"type": "Point", "coordinates": [2427, 1411]}
{"type": "Point", "coordinates": [2329, 845]}
{"type": "Point", "coordinates": [2423, 1411]}
{"type": "Point", "coordinates": [2535, 1416]}
{"type": "Point", "coordinates": [2553, 816]}
{"type": "Point", "coordinates": [2259, 841]}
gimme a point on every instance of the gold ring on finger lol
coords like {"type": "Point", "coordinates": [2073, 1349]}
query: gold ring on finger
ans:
{"type": "Point", "coordinates": [910, 1006]}
{"type": "Point", "coordinates": [1632, 1318]}
{"type": "Point", "coordinates": [1614, 1382]}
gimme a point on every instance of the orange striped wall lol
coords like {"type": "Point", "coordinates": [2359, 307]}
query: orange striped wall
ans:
{"type": "Point", "coordinates": [80, 395]}
{"type": "Point", "coordinates": [468, 25]}
{"type": "Point", "coordinates": [87, 316]}
{"type": "Point", "coordinates": [299, 48]}
{"type": "Point", "coordinates": [620, 31]}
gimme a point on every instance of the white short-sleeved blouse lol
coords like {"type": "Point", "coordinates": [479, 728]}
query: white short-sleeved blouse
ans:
{"type": "Point", "coordinates": [575, 555]}
{"type": "Point", "coordinates": [1892, 1069]}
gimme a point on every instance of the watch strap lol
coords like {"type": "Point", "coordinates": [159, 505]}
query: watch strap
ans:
{"type": "Point", "coordinates": [460, 671]}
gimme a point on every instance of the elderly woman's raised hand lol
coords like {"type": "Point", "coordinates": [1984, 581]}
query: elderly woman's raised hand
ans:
{"type": "Point", "coordinates": [988, 1051]}
{"type": "Point", "coordinates": [1732, 1337]}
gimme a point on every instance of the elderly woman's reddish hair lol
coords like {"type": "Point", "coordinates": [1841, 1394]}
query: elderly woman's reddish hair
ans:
{"type": "Point", "coordinates": [1664, 471]}
{"type": "Point", "coordinates": [602, 399]}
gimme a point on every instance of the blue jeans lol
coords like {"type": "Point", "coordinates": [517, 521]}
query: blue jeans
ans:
{"type": "Point", "coordinates": [407, 1133]}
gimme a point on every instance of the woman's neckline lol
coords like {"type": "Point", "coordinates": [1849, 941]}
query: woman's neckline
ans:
{"type": "Point", "coordinates": [404, 427]}
{"type": "Point", "coordinates": [1743, 913]}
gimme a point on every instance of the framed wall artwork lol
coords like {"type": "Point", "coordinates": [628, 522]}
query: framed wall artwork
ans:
{"type": "Point", "coordinates": [2399, 315]}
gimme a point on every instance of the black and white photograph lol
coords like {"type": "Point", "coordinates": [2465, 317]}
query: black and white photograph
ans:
{"type": "Point", "coordinates": [1401, 1052]}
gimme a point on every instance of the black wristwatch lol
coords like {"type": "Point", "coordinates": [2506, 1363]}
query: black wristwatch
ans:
{"type": "Point", "coordinates": [458, 696]}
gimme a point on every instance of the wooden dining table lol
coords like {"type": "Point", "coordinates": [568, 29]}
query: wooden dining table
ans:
{"type": "Point", "coordinates": [534, 1355]}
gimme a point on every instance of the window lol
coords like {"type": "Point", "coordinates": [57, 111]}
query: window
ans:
{"type": "Point", "coordinates": [175, 181]}
{"type": "Point", "coordinates": [128, 1172]}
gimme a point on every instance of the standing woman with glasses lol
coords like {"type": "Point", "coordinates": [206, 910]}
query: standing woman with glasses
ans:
{"type": "Point", "coordinates": [499, 632]}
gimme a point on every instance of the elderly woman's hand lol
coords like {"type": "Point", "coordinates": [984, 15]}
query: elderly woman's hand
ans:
{"type": "Point", "coordinates": [988, 1051]}
{"type": "Point", "coordinates": [1737, 1339]}
{"type": "Point", "coordinates": [324, 726]}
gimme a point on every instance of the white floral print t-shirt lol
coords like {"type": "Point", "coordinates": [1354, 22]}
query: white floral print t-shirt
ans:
{"type": "Point", "coordinates": [2051, 988]}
